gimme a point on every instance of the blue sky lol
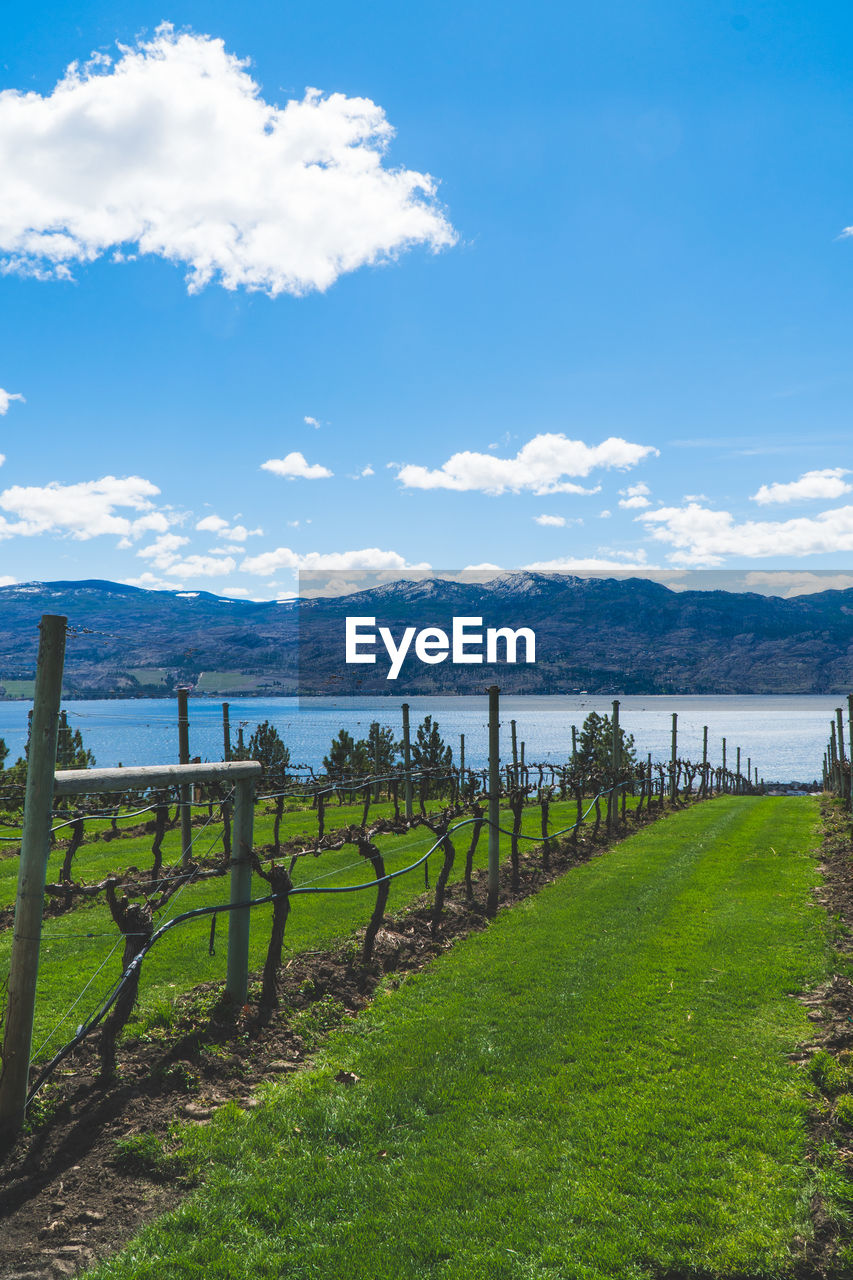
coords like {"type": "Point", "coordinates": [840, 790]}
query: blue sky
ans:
{"type": "Point", "coordinates": [613, 329]}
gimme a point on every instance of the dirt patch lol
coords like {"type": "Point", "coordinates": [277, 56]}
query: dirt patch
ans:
{"type": "Point", "coordinates": [830, 1010]}
{"type": "Point", "coordinates": [68, 1196]}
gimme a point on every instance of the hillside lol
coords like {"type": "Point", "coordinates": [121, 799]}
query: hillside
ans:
{"type": "Point", "coordinates": [599, 635]}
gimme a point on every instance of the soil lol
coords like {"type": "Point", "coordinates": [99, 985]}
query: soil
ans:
{"type": "Point", "coordinates": [67, 1199]}
{"type": "Point", "coordinates": [830, 1010]}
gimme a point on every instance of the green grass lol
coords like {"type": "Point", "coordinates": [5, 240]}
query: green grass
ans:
{"type": "Point", "coordinates": [76, 944]}
{"type": "Point", "coordinates": [148, 675]}
{"type": "Point", "coordinates": [595, 1088]}
{"type": "Point", "coordinates": [18, 688]}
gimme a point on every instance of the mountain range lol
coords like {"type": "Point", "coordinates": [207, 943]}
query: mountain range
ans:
{"type": "Point", "coordinates": [599, 635]}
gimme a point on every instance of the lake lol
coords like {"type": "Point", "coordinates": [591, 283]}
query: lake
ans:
{"type": "Point", "coordinates": [784, 736]}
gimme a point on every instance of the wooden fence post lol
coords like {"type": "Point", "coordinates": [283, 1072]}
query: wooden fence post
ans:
{"type": "Point", "coordinates": [850, 740]}
{"type": "Point", "coordinates": [514, 753]}
{"type": "Point", "coordinates": [184, 758]}
{"type": "Point", "coordinates": [226, 731]}
{"type": "Point", "coordinates": [237, 972]}
{"type": "Point", "coordinates": [674, 758]}
{"type": "Point", "coordinates": [839, 720]}
{"type": "Point", "coordinates": [494, 799]}
{"type": "Point", "coordinates": [833, 757]}
{"type": "Point", "coordinates": [737, 773]}
{"type": "Point", "coordinates": [407, 761]}
{"type": "Point", "coordinates": [35, 848]}
{"type": "Point", "coordinates": [615, 764]}
{"type": "Point", "coordinates": [704, 759]}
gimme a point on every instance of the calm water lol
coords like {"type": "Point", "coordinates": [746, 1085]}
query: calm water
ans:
{"type": "Point", "coordinates": [784, 736]}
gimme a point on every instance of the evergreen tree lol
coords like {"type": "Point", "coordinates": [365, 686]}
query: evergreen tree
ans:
{"type": "Point", "coordinates": [266, 745]}
{"type": "Point", "coordinates": [429, 750]}
{"type": "Point", "coordinates": [70, 751]}
{"type": "Point", "coordinates": [338, 763]}
{"type": "Point", "coordinates": [381, 748]}
{"type": "Point", "coordinates": [595, 746]}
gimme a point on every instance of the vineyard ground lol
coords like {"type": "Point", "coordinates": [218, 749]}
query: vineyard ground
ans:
{"type": "Point", "coordinates": [76, 943]}
{"type": "Point", "coordinates": [597, 1085]}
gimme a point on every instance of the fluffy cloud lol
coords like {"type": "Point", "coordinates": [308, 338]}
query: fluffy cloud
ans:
{"type": "Point", "coordinates": [165, 554]}
{"type": "Point", "coordinates": [172, 150]}
{"type": "Point", "coordinates": [202, 567]}
{"type": "Point", "coordinates": [592, 564]}
{"type": "Point", "coordinates": [635, 496]}
{"type": "Point", "coordinates": [312, 422]}
{"type": "Point", "coordinates": [704, 537]}
{"type": "Point", "coordinates": [162, 552]}
{"type": "Point", "coordinates": [212, 524]}
{"type": "Point", "coordinates": [85, 510]}
{"type": "Point", "coordinates": [779, 582]}
{"type": "Point", "coordinates": [557, 522]}
{"type": "Point", "coordinates": [233, 533]}
{"type": "Point", "coordinates": [538, 467]}
{"type": "Point", "coordinates": [151, 582]}
{"type": "Point", "coordinates": [269, 562]}
{"type": "Point", "coordinates": [295, 464]}
{"type": "Point", "coordinates": [826, 484]}
{"type": "Point", "coordinates": [6, 398]}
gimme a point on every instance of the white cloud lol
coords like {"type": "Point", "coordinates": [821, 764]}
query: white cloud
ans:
{"type": "Point", "coordinates": [592, 564]}
{"type": "Point", "coordinates": [294, 464]}
{"type": "Point", "coordinates": [779, 582]}
{"type": "Point", "coordinates": [84, 510]}
{"type": "Point", "coordinates": [172, 150]}
{"type": "Point", "coordinates": [539, 466]}
{"type": "Point", "coordinates": [6, 397]}
{"type": "Point", "coordinates": [635, 496]}
{"type": "Point", "coordinates": [212, 524]}
{"type": "Point", "coordinates": [312, 422]}
{"type": "Point", "coordinates": [6, 581]}
{"type": "Point", "coordinates": [825, 484]}
{"type": "Point", "coordinates": [367, 471]}
{"type": "Point", "coordinates": [269, 562]}
{"type": "Point", "coordinates": [233, 533]}
{"type": "Point", "coordinates": [557, 522]}
{"type": "Point", "coordinates": [163, 551]}
{"type": "Point", "coordinates": [605, 515]}
{"type": "Point", "coordinates": [151, 582]}
{"type": "Point", "coordinates": [701, 536]}
{"type": "Point", "coordinates": [202, 567]}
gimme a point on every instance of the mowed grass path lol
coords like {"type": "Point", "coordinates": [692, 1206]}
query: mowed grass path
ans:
{"type": "Point", "coordinates": [596, 1086]}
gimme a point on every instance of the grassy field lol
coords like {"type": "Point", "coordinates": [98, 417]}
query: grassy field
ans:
{"type": "Point", "coordinates": [596, 1088]}
{"type": "Point", "coordinates": [77, 944]}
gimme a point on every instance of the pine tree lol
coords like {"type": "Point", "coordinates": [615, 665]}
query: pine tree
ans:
{"type": "Point", "coordinates": [266, 745]}
{"type": "Point", "coordinates": [429, 750]}
{"type": "Point", "coordinates": [595, 746]}
{"type": "Point", "coordinates": [339, 762]}
{"type": "Point", "coordinates": [381, 748]}
{"type": "Point", "coordinates": [70, 751]}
